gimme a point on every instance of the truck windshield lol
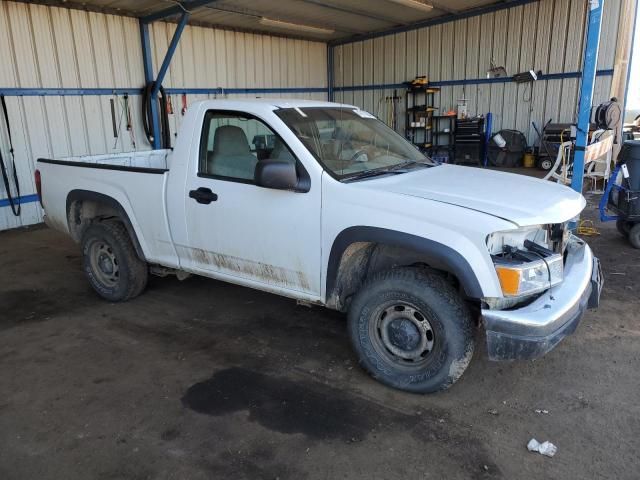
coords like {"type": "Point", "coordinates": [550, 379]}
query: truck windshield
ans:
{"type": "Point", "coordinates": [351, 143]}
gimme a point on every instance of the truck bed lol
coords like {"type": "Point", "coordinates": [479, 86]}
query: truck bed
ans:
{"type": "Point", "coordinates": [135, 180]}
{"type": "Point", "coordinates": [134, 161]}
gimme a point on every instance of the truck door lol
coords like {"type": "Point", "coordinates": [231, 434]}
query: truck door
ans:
{"type": "Point", "coordinates": [257, 236]}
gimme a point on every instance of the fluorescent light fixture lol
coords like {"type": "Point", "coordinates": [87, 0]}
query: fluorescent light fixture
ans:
{"type": "Point", "coordinates": [418, 5]}
{"type": "Point", "coordinates": [295, 26]}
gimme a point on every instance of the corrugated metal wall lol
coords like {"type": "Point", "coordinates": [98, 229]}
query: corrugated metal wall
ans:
{"type": "Point", "coordinates": [48, 47]}
{"type": "Point", "coordinates": [546, 35]}
{"type": "Point", "coordinates": [210, 58]}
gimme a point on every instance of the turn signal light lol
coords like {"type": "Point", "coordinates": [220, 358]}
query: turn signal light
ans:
{"type": "Point", "coordinates": [509, 280]}
{"type": "Point", "coordinates": [530, 277]}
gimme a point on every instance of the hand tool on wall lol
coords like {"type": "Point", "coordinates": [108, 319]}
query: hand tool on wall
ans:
{"type": "Point", "coordinates": [127, 112]}
{"type": "Point", "coordinates": [114, 126]}
{"type": "Point", "coordinates": [184, 104]}
{"type": "Point", "coordinates": [14, 201]}
{"type": "Point", "coordinates": [170, 105]}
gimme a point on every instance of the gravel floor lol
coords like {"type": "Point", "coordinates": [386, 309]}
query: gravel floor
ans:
{"type": "Point", "coordinates": [200, 380]}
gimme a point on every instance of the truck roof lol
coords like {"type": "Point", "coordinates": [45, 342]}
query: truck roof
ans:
{"type": "Point", "coordinates": [250, 104]}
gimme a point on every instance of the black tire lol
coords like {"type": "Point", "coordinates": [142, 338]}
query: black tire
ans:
{"type": "Point", "coordinates": [389, 313]}
{"type": "Point", "coordinates": [111, 264]}
{"type": "Point", "coordinates": [623, 226]}
{"type": "Point", "coordinates": [634, 235]}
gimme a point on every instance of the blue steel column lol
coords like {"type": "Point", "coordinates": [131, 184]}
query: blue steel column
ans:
{"type": "Point", "coordinates": [170, 51]}
{"type": "Point", "coordinates": [148, 67]}
{"type": "Point", "coordinates": [630, 64]}
{"type": "Point", "coordinates": [146, 51]}
{"type": "Point", "coordinates": [586, 90]}
{"type": "Point", "coordinates": [148, 78]}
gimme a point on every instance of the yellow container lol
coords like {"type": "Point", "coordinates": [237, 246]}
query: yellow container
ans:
{"type": "Point", "coordinates": [529, 160]}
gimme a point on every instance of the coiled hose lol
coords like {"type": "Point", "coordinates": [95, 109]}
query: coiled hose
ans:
{"type": "Point", "coordinates": [147, 118]}
{"type": "Point", "coordinates": [608, 115]}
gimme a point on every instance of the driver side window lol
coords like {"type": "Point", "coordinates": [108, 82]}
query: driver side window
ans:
{"type": "Point", "coordinates": [232, 144]}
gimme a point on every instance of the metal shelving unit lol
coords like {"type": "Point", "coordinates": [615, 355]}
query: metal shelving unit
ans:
{"type": "Point", "coordinates": [443, 135]}
{"type": "Point", "coordinates": [419, 110]}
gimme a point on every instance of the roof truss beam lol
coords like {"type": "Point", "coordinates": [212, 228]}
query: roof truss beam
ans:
{"type": "Point", "coordinates": [360, 13]}
{"type": "Point", "coordinates": [451, 17]}
{"type": "Point", "coordinates": [257, 15]}
{"type": "Point", "coordinates": [177, 9]}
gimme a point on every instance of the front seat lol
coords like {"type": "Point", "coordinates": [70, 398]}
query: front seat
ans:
{"type": "Point", "coordinates": [231, 156]}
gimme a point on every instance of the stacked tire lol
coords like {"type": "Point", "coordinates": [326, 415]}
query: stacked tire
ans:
{"type": "Point", "coordinates": [630, 230]}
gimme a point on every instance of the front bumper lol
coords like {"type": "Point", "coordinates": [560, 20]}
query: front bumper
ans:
{"type": "Point", "coordinates": [531, 331]}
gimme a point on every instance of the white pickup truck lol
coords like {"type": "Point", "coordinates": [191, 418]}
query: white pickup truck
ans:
{"type": "Point", "coordinates": [323, 203]}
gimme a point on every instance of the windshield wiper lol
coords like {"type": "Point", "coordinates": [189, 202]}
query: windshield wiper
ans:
{"type": "Point", "coordinates": [411, 163]}
{"type": "Point", "coordinates": [373, 173]}
{"type": "Point", "coordinates": [393, 169]}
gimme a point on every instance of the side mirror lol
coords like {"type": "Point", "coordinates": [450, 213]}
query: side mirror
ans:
{"type": "Point", "coordinates": [276, 174]}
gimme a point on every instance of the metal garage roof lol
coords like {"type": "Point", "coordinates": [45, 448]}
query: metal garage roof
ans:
{"type": "Point", "coordinates": [333, 19]}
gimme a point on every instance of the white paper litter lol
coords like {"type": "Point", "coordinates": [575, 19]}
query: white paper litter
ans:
{"type": "Point", "coordinates": [546, 448]}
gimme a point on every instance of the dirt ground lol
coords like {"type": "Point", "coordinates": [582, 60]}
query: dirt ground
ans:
{"type": "Point", "coordinates": [205, 380]}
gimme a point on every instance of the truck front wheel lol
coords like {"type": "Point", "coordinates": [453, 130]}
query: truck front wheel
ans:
{"type": "Point", "coordinates": [110, 262]}
{"type": "Point", "coordinates": [411, 330]}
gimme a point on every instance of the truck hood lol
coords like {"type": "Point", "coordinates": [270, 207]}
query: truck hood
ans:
{"type": "Point", "coordinates": [517, 198]}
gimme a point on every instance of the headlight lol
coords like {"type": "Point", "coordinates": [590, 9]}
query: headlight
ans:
{"type": "Point", "coordinates": [496, 242]}
{"type": "Point", "coordinates": [524, 261]}
{"type": "Point", "coordinates": [531, 277]}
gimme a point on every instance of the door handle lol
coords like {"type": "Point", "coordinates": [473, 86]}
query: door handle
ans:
{"type": "Point", "coordinates": [203, 195]}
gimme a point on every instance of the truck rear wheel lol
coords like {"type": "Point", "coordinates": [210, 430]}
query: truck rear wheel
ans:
{"type": "Point", "coordinates": [411, 330]}
{"type": "Point", "coordinates": [111, 263]}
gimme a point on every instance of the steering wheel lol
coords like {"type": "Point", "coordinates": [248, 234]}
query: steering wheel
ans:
{"type": "Point", "coordinates": [358, 153]}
